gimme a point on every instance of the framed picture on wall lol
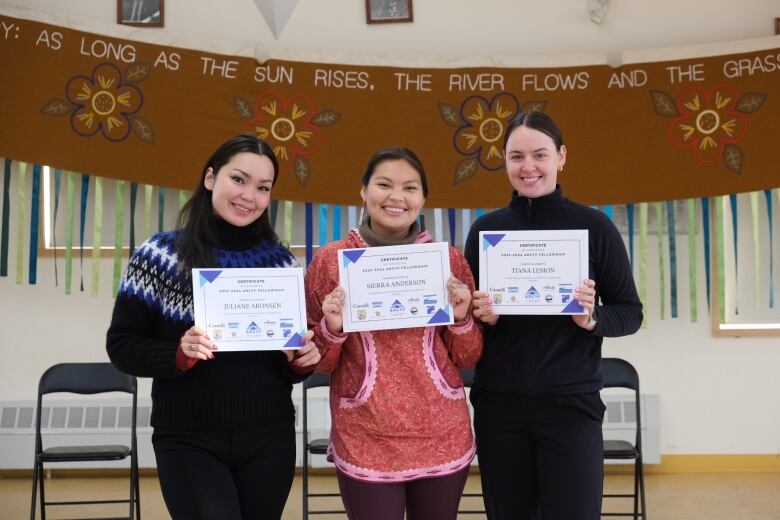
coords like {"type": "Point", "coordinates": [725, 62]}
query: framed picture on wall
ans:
{"type": "Point", "coordinates": [140, 13]}
{"type": "Point", "coordinates": [777, 25]}
{"type": "Point", "coordinates": [388, 11]}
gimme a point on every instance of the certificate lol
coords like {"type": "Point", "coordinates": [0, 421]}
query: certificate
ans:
{"type": "Point", "coordinates": [250, 309]}
{"type": "Point", "coordinates": [533, 272]}
{"type": "Point", "coordinates": [395, 287]}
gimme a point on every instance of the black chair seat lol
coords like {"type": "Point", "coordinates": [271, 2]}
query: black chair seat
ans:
{"type": "Point", "coordinates": [619, 450]}
{"type": "Point", "coordinates": [319, 446]}
{"type": "Point", "coordinates": [84, 453]}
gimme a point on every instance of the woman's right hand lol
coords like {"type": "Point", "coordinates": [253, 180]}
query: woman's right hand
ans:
{"type": "Point", "coordinates": [483, 307]}
{"type": "Point", "coordinates": [195, 343]}
{"type": "Point", "coordinates": [332, 306]}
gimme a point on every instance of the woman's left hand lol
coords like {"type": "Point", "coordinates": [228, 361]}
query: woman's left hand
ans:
{"type": "Point", "coordinates": [586, 297]}
{"type": "Point", "coordinates": [306, 356]}
{"type": "Point", "coordinates": [459, 296]}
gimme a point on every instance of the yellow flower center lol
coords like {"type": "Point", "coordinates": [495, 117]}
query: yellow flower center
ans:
{"type": "Point", "coordinates": [283, 129]}
{"type": "Point", "coordinates": [103, 103]}
{"type": "Point", "coordinates": [707, 121]}
{"type": "Point", "coordinates": [490, 129]}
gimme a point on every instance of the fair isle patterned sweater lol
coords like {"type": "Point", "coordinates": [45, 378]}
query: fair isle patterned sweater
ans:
{"type": "Point", "coordinates": [153, 310]}
{"type": "Point", "coordinates": [397, 402]}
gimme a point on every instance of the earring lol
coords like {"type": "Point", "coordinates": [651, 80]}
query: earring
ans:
{"type": "Point", "coordinates": [560, 168]}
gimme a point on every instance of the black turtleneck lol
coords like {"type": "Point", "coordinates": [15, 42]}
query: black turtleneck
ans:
{"type": "Point", "coordinates": [537, 355]}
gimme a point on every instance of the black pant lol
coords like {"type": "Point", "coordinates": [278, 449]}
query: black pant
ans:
{"type": "Point", "coordinates": [230, 475]}
{"type": "Point", "coordinates": [540, 457]}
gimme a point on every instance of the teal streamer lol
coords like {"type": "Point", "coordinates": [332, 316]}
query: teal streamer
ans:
{"type": "Point", "coordinates": [35, 211]}
{"type": "Point", "coordinates": [479, 212]}
{"type": "Point", "coordinates": [161, 209]}
{"type": "Point", "coordinates": [768, 195]}
{"type": "Point", "coordinates": [323, 224]}
{"type": "Point", "coordinates": [734, 228]}
{"type": "Point", "coordinates": [610, 211]}
{"type": "Point", "coordinates": [82, 223]}
{"type": "Point", "coordinates": [705, 220]}
{"type": "Point", "coordinates": [336, 222]}
{"type": "Point", "coordinates": [630, 217]}
{"type": "Point", "coordinates": [133, 199]}
{"type": "Point", "coordinates": [672, 254]}
{"type": "Point", "coordinates": [57, 186]}
{"type": "Point", "coordinates": [6, 218]}
{"type": "Point", "coordinates": [309, 211]}
{"type": "Point", "coordinates": [274, 213]}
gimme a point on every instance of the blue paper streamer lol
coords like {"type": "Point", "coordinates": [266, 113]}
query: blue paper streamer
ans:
{"type": "Point", "coordinates": [57, 186]}
{"type": "Point", "coordinates": [336, 222]}
{"type": "Point", "coordinates": [133, 199]}
{"type": "Point", "coordinates": [323, 224]}
{"type": "Point", "coordinates": [161, 209]}
{"type": "Point", "coordinates": [609, 210]}
{"type": "Point", "coordinates": [670, 224]}
{"type": "Point", "coordinates": [768, 195]}
{"type": "Point", "coordinates": [630, 216]}
{"type": "Point", "coordinates": [705, 218]}
{"type": "Point", "coordinates": [35, 209]}
{"type": "Point", "coordinates": [479, 212]}
{"type": "Point", "coordinates": [82, 224]}
{"type": "Point", "coordinates": [6, 219]}
{"type": "Point", "coordinates": [274, 211]}
{"type": "Point", "coordinates": [451, 222]}
{"type": "Point", "coordinates": [309, 232]}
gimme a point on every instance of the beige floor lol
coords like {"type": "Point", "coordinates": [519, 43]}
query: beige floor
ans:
{"type": "Point", "coordinates": [670, 497]}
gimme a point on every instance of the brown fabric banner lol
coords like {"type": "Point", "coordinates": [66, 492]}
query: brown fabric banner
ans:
{"type": "Point", "coordinates": [152, 114]}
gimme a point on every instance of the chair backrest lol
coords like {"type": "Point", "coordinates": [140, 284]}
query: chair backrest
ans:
{"type": "Point", "coordinates": [315, 380]}
{"type": "Point", "coordinates": [620, 373]}
{"type": "Point", "coordinates": [86, 378]}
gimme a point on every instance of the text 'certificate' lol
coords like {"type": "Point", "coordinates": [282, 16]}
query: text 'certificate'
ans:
{"type": "Point", "coordinates": [395, 287]}
{"type": "Point", "coordinates": [533, 272]}
{"type": "Point", "coordinates": [250, 309]}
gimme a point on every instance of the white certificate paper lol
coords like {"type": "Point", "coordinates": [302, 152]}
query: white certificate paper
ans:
{"type": "Point", "coordinates": [395, 287]}
{"type": "Point", "coordinates": [250, 309]}
{"type": "Point", "coordinates": [533, 272]}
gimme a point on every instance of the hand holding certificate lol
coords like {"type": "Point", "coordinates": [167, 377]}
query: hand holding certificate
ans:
{"type": "Point", "coordinates": [250, 309]}
{"type": "Point", "coordinates": [533, 272]}
{"type": "Point", "coordinates": [395, 287]}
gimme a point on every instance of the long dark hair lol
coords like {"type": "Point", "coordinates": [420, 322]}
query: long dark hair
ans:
{"type": "Point", "coordinates": [196, 217]}
{"type": "Point", "coordinates": [394, 153]}
{"type": "Point", "coordinates": [535, 120]}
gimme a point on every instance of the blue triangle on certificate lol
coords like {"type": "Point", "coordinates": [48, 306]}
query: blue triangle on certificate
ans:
{"type": "Point", "coordinates": [352, 255]}
{"type": "Point", "coordinates": [491, 239]}
{"type": "Point", "coordinates": [441, 316]}
{"type": "Point", "coordinates": [294, 341]}
{"type": "Point", "coordinates": [573, 307]}
{"type": "Point", "coordinates": [208, 277]}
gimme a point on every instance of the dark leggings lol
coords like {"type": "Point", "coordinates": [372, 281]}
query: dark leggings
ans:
{"type": "Point", "coordinates": [230, 475]}
{"type": "Point", "coordinates": [540, 457]}
{"type": "Point", "coordinates": [423, 499]}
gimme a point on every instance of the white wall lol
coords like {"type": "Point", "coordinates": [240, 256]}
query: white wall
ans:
{"type": "Point", "coordinates": [718, 395]}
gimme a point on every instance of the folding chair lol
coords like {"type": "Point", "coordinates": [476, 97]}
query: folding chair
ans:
{"type": "Point", "coordinates": [314, 447]}
{"type": "Point", "coordinates": [618, 373]}
{"type": "Point", "coordinates": [468, 381]}
{"type": "Point", "coordinates": [85, 378]}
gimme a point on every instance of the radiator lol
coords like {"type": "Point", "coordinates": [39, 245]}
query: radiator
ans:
{"type": "Point", "coordinates": [103, 421]}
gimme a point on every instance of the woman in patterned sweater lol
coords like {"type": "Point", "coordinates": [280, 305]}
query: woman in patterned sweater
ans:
{"type": "Point", "coordinates": [401, 436]}
{"type": "Point", "coordinates": [224, 434]}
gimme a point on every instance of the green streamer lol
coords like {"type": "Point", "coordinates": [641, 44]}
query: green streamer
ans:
{"type": "Point", "coordinates": [659, 227]}
{"type": "Point", "coordinates": [161, 192]}
{"type": "Point", "coordinates": [148, 192]}
{"type": "Point", "coordinates": [692, 254]}
{"type": "Point", "coordinates": [97, 235]}
{"type": "Point", "coordinates": [119, 235]}
{"type": "Point", "coordinates": [643, 258]}
{"type": "Point", "coordinates": [184, 196]}
{"type": "Point", "coordinates": [288, 214]}
{"type": "Point", "coordinates": [20, 222]}
{"type": "Point", "coordinates": [721, 256]}
{"type": "Point", "coordinates": [756, 247]}
{"type": "Point", "coordinates": [69, 203]}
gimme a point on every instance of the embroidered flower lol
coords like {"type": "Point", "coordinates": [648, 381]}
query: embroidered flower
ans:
{"type": "Point", "coordinates": [481, 134]}
{"type": "Point", "coordinates": [103, 102]}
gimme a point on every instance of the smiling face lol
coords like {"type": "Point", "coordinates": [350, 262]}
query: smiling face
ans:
{"type": "Point", "coordinates": [393, 198]}
{"type": "Point", "coordinates": [532, 162]}
{"type": "Point", "coordinates": [241, 189]}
